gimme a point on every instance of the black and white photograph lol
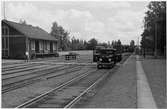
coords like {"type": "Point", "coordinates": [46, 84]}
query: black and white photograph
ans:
{"type": "Point", "coordinates": [83, 54]}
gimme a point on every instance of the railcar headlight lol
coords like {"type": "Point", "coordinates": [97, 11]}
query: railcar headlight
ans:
{"type": "Point", "coordinates": [109, 59]}
{"type": "Point", "coordinates": [100, 59]}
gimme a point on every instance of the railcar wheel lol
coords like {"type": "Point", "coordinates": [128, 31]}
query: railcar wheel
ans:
{"type": "Point", "coordinates": [110, 66]}
{"type": "Point", "coordinates": [99, 66]}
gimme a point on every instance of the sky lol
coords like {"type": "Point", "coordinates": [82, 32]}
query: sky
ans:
{"type": "Point", "coordinates": [105, 21]}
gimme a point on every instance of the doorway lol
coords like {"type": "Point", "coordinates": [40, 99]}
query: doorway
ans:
{"type": "Point", "coordinates": [37, 46]}
{"type": "Point", "coordinates": [5, 41]}
{"type": "Point", "coordinates": [51, 47]}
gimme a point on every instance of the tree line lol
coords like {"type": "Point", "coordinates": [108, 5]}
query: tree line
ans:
{"type": "Point", "coordinates": [154, 34]}
{"type": "Point", "coordinates": [65, 42]}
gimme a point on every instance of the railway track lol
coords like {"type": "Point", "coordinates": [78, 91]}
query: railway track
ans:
{"type": "Point", "coordinates": [13, 65]}
{"type": "Point", "coordinates": [21, 70]}
{"type": "Point", "coordinates": [33, 75]}
{"type": "Point", "coordinates": [29, 74]}
{"type": "Point", "coordinates": [21, 83]}
{"type": "Point", "coordinates": [15, 85]}
{"type": "Point", "coordinates": [67, 94]}
{"type": "Point", "coordinates": [20, 67]}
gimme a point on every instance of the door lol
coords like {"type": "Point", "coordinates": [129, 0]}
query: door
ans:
{"type": "Point", "coordinates": [5, 41]}
{"type": "Point", "coordinates": [51, 47]}
{"type": "Point", "coordinates": [37, 46]}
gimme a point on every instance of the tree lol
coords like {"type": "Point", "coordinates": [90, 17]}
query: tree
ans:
{"type": "Point", "coordinates": [117, 45]}
{"type": "Point", "coordinates": [92, 43]}
{"type": "Point", "coordinates": [132, 45]}
{"type": "Point", "coordinates": [61, 35]}
{"type": "Point", "coordinates": [155, 26]}
{"type": "Point", "coordinates": [103, 44]}
{"type": "Point", "coordinates": [22, 21]}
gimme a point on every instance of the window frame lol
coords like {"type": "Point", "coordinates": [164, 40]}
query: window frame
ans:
{"type": "Point", "coordinates": [32, 44]}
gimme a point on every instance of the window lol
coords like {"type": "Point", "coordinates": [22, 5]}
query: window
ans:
{"type": "Point", "coordinates": [32, 45]}
{"type": "Point", "coordinates": [41, 45]}
{"type": "Point", "coordinates": [54, 46]}
{"type": "Point", "coordinates": [6, 43]}
{"type": "Point", "coordinates": [45, 45]}
{"type": "Point", "coordinates": [48, 46]}
{"type": "Point", "coordinates": [3, 42]}
{"type": "Point", "coordinates": [5, 38]}
{"type": "Point", "coordinates": [5, 30]}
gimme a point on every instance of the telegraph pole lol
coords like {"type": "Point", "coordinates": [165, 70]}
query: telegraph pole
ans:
{"type": "Point", "coordinates": [155, 41]}
{"type": "Point", "coordinates": [138, 46]}
{"type": "Point", "coordinates": [138, 41]}
{"type": "Point", "coordinates": [4, 9]}
{"type": "Point", "coordinates": [144, 46]}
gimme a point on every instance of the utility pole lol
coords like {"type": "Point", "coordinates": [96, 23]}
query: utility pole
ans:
{"type": "Point", "coordinates": [138, 42]}
{"type": "Point", "coordinates": [155, 41]}
{"type": "Point", "coordinates": [4, 10]}
{"type": "Point", "coordinates": [144, 46]}
{"type": "Point", "coordinates": [138, 46]}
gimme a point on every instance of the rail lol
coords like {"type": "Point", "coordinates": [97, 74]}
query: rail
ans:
{"type": "Point", "coordinates": [28, 81]}
{"type": "Point", "coordinates": [34, 100]}
{"type": "Point", "coordinates": [73, 102]}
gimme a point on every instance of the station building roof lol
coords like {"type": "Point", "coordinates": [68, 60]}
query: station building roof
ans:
{"type": "Point", "coordinates": [30, 31]}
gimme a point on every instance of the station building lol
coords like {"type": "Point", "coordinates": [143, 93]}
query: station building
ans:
{"type": "Point", "coordinates": [18, 40]}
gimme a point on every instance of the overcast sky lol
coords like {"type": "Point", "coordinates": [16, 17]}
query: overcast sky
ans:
{"type": "Point", "coordinates": [105, 21]}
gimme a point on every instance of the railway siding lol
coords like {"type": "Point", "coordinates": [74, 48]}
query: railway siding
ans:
{"type": "Point", "coordinates": [68, 93]}
{"type": "Point", "coordinates": [28, 71]}
{"type": "Point", "coordinates": [21, 70]}
{"type": "Point", "coordinates": [23, 94]}
{"type": "Point", "coordinates": [47, 75]}
{"type": "Point", "coordinates": [17, 65]}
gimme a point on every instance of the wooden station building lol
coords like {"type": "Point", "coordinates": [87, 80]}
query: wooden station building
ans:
{"type": "Point", "coordinates": [20, 40]}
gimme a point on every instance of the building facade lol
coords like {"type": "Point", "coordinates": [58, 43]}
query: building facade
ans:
{"type": "Point", "coordinates": [20, 40]}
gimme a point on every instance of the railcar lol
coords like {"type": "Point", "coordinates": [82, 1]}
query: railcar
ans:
{"type": "Point", "coordinates": [118, 56]}
{"type": "Point", "coordinates": [96, 53]}
{"type": "Point", "coordinates": [106, 58]}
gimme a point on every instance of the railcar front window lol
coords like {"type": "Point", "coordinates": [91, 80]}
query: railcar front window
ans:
{"type": "Point", "coordinates": [106, 52]}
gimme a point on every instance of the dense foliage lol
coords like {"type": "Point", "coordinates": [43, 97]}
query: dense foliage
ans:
{"type": "Point", "coordinates": [67, 43]}
{"type": "Point", "coordinates": [155, 27]}
{"type": "Point", "coordinates": [61, 35]}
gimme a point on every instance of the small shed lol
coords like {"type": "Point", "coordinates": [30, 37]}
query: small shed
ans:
{"type": "Point", "coordinates": [21, 39]}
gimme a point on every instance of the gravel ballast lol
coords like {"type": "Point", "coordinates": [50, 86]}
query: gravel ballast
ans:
{"type": "Point", "coordinates": [18, 96]}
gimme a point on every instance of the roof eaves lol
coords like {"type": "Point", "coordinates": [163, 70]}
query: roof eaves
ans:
{"type": "Point", "coordinates": [25, 35]}
{"type": "Point", "coordinates": [15, 28]}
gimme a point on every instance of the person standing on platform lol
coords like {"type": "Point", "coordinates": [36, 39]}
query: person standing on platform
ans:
{"type": "Point", "coordinates": [27, 56]}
